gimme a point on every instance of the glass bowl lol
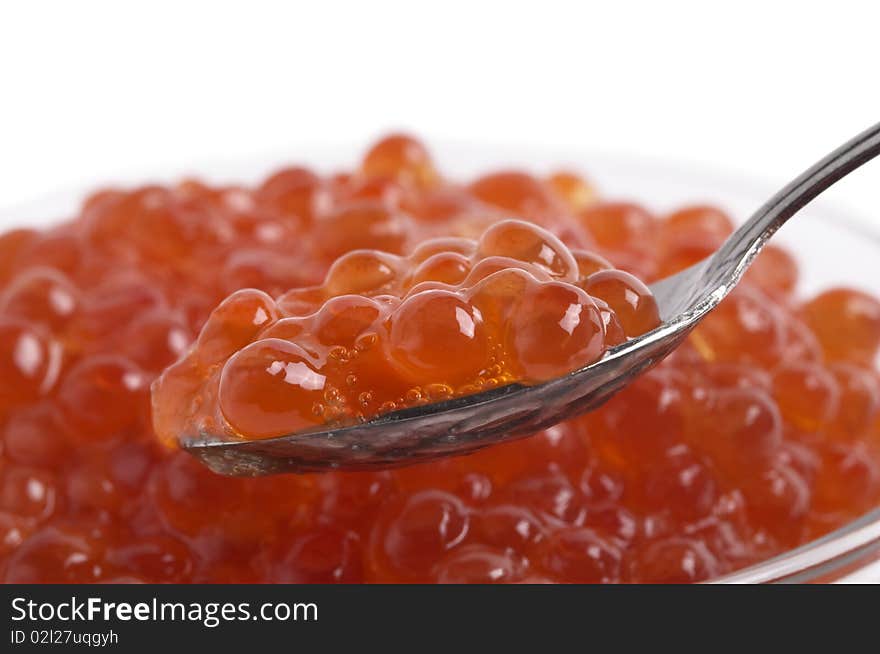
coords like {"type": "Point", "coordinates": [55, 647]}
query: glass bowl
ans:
{"type": "Point", "coordinates": [835, 246]}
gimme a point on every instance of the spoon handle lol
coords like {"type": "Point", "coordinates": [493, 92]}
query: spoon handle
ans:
{"type": "Point", "coordinates": [686, 296]}
{"type": "Point", "coordinates": [740, 248]}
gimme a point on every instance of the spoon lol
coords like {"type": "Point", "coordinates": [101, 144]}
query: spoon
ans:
{"type": "Point", "coordinates": [503, 414]}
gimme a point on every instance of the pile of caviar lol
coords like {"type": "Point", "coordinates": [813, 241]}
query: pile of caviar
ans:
{"type": "Point", "coordinates": [385, 332]}
{"type": "Point", "coordinates": [760, 433]}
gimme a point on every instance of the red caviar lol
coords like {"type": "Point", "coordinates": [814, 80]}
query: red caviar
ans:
{"type": "Point", "coordinates": [386, 332]}
{"type": "Point", "coordinates": [762, 431]}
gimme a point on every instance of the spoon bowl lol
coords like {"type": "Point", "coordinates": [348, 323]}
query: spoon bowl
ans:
{"type": "Point", "coordinates": [475, 421]}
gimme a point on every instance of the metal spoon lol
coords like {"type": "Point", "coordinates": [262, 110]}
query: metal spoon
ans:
{"type": "Point", "coordinates": [468, 423]}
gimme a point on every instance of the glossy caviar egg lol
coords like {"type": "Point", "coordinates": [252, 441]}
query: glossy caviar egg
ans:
{"type": "Point", "coordinates": [387, 191]}
{"type": "Point", "coordinates": [629, 299]}
{"type": "Point", "coordinates": [62, 554]}
{"type": "Point", "coordinates": [270, 388]}
{"type": "Point", "coordinates": [446, 267]}
{"type": "Point", "coordinates": [573, 189]}
{"type": "Point", "coordinates": [550, 493]}
{"type": "Point", "coordinates": [847, 483]}
{"type": "Point", "coordinates": [681, 484]}
{"type": "Point", "coordinates": [774, 270]}
{"type": "Point", "coordinates": [301, 302]}
{"type": "Point", "coordinates": [581, 556]}
{"type": "Point", "coordinates": [343, 319]}
{"type": "Point", "coordinates": [35, 436]}
{"type": "Point", "coordinates": [42, 295]}
{"type": "Point", "coordinates": [746, 327]}
{"type": "Point", "coordinates": [778, 498]}
{"type": "Point", "coordinates": [29, 492]}
{"type": "Point", "coordinates": [694, 226]}
{"type": "Point", "coordinates": [589, 262]}
{"type": "Point", "coordinates": [429, 248]}
{"type": "Point", "coordinates": [268, 271]}
{"type": "Point", "coordinates": [156, 557]}
{"type": "Point", "coordinates": [29, 362]}
{"type": "Point", "coordinates": [846, 322]}
{"type": "Point", "coordinates": [859, 401]}
{"type": "Point", "coordinates": [294, 193]}
{"type": "Point", "coordinates": [360, 226]}
{"type": "Point", "coordinates": [675, 560]}
{"type": "Point", "coordinates": [307, 300]}
{"type": "Point", "coordinates": [508, 525]}
{"type": "Point", "coordinates": [689, 235]}
{"type": "Point", "coordinates": [416, 533]}
{"type": "Point", "coordinates": [491, 265]}
{"type": "Point", "coordinates": [325, 556]}
{"type": "Point", "coordinates": [103, 397]}
{"type": "Point", "coordinates": [557, 328]}
{"type": "Point", "coordinates": [499, 289]}
{"type": "Point", "coordinates": [402, 157]}
{"type": "Point", "coordinates": [444, 204]}
{"type": "Point", "coordinates": [614, 332]}
{"type": "Point", "coordinates": [477, 564]}
{"type": "Point", "coordinates": [438, 334]}
{"type": "Point", "coordinates": [747, 430]}
{"type": "Point", "coordinates": [518, 192]}
{"type": "Point", "coordinates": [234, 323]}
{"type": "Point", "coordinates": [113, 301]}
{"type": "Point", "coordinates": [524, 242]}
{"type": "Point", "coordinates": [155, 339]}
{"type": "Point", "coordinates": [362, 271]}
{"type": "Point", "coordinates": [620, 226]}
{"type": "Point", "coordinates": [807, 395]}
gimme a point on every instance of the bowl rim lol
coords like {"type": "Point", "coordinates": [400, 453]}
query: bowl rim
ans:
{"type": "Point", "coordinates": [827, 555]}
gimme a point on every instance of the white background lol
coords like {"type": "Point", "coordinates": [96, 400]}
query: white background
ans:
{"type": "Point", "coordinates": [96, 90]}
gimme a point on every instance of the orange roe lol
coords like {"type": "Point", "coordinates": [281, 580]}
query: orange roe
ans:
{"type": "Point", "coordinates": [386, 332]}
{"type": "Point", "coordinates": [761, 432]}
